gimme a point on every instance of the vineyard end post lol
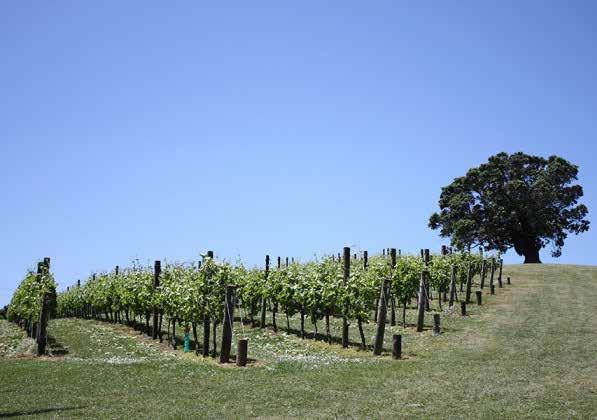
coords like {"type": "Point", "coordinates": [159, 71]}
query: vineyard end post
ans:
{"type": "Point", "coordinates": [241, 352]}
{"type": "Point", "coordinates": [43, 324]}
{"type": "Point", "coordinates": [436, 324]}
{"type": "Point", "coordinates": [396, 346]}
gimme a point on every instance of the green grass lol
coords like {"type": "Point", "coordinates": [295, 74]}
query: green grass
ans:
{"type": "Point", "coordinates": [530, 351]}
{"type": "Point", "coordinates": [14, 341]}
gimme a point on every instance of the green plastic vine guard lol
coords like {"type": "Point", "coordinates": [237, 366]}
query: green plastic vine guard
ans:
{"type": "Point", "coordinates": [187, 340]}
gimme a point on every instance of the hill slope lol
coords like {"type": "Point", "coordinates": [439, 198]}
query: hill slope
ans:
{"type": "Point", "coordinates": [529, 352]}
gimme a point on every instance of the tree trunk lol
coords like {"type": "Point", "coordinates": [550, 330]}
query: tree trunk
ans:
{"type": "Point", "coordinates": [274, 311]}
{"type": "Point", "coordinates": [174, 333]}
{"type": "Point", "coordinates": [302, 322]}
{"type": "Point", "coordinates": [206, 325]}
{"type": "Point", "coordinates": [195, 337]}
{"type": "Point", "coordinates": [215, 342]}
{"type": "Point", "coordinates": [362, 334]}
{"type": "Point", "coordinates": [263, 309]}
{"type": "Point", "coordinates": [531, 255]}
{"type": "Point", "coordinates": [160, 325]}
{"type": "Point", "coordinates": [287, 321]}
{"type": "Point", "coordinates": [404, 313]}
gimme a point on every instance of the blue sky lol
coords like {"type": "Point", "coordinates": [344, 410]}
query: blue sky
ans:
{"type": "Point", "coordinates": [157, 130]}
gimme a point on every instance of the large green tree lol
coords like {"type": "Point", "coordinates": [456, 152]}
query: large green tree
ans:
{"type": "Point", "coordinates": [513, 201]}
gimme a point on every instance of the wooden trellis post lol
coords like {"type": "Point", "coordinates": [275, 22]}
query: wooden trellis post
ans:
{"type": "Point", "coordinates": [392, 298]}
{"type": "Point", "coordinates": [345, 304]}
{"type": "Point", "coordinates": [426, 258]}
{"type": "Point", "coordinates": [492, 272]}
{"type": "Point", "coordinates": [41, 332]}
{"type": "Point", "coordinates": [157, 269]}
{"type": "Point", "coordinates": [43, 324]}
{"type": "Point", "coordinates": [274, 302]}
{"type": "Point", "coordinates": [436, 324]}
{"type": "Point", "coordinates": [206, 322]}
{"type": "Point", "coordinates": [227, 324]}
{"type": "Point", "coordinates": [241, 352]}
{"type": "Point", "coordinates": [263, 298]}
{"type": "Point", "coordinates": [381, 318]}
{"type": "Point", "coordinates": [421, 303]}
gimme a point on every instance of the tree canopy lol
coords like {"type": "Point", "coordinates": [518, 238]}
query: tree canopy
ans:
{"type": "Point", "coordinates": [513, 201]}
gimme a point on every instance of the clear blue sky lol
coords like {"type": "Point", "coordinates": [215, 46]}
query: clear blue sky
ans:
{"type": "Point", "coordinates": [163, 129]}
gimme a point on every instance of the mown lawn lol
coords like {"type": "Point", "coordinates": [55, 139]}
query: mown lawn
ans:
{"type": "Point", "coordinates": [530, 351]}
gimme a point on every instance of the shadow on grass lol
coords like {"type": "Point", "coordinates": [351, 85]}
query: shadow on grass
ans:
{"type": "Point", "coordinates": [321, 337]}
{"type": "Point", "coordinates": [337, 340]}
{"type": "Point", "coordinates": [7, 414]}
{"type": "Point", "coordinates": [55, 348]}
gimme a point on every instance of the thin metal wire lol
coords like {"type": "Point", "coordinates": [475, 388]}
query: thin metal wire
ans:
{"type": "Point", "coordinates": [242, 323]}
{"type": "Point", "coordinates": [230, 320]}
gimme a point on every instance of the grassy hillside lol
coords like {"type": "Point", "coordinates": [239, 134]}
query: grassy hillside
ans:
{"type": "Point", "coordinates": [529, 352]}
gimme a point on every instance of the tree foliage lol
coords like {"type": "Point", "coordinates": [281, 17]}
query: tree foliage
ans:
{"type": "Point", "coordinates": [513, 201]}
